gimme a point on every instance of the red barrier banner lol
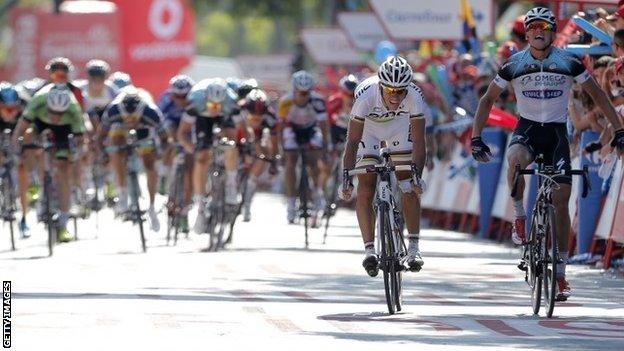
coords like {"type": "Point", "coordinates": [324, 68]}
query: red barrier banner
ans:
{"type": "Point", "coordinates": [38, 36]}
{"type": "Point", "coordinates": [617, 231]}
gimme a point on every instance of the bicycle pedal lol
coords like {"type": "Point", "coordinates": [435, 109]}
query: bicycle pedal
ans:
{"type": "Point", "coordinates": [522, 266]}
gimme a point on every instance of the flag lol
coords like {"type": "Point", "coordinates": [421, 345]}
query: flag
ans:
{"type": "Point", "coordinates": [469, 26]}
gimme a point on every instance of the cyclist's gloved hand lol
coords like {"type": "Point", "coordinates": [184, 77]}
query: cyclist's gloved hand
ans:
{"type": "Point", "coordinates": [593, 146]}
{"type": "Point", "coordinates": [346, 191]}
{"type": "Point", "coordinates": [419, 185]}
{"type": "Point", "coordinates": [618, 140]}
{"type": "Point", "coordinates": [480, 151]}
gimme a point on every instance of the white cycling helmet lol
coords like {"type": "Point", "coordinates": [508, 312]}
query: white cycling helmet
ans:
{"type": "Point", "coordinates": [216, 90]}
{"type": "Point", "coordinates": [181, 84]}
{"type": "Point", "coordinates": [395, 72]}
{"type": "Point", "coordinates": [58, 99]}
{"type": "Point", "coordinates": [540, 14]}
{"type": "Point", "coordinates": [302, 81]}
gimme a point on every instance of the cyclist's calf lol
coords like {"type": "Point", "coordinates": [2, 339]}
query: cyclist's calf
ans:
{"type": "Point", "coordinates": [517, 154]}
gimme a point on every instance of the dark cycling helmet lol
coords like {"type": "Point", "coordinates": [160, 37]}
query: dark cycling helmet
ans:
{"type": "Point", "coordinates": [131, 104]}
{"type": "Point", "coordinates": [8, 94]}
{"type": "Point", "coordinates": [256, 102]}
{"type": "Point", "coordinates": [120, 79]}
{"type": "Point", "coordinates": [97, 68]}
{"type": "Point", "coordinates": [245, 87]}
{"type": "Point", "coordinates": [181, 84]}
{"type": "Point", "coordinates": [62, 63]}
{"type": "Point", "coordinates": [349, 83]}
{"type": "Point", "coordinates": [540, 14]}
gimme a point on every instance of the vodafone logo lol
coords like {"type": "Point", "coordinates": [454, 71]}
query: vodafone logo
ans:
{"type": "Point", "coordinates": [165, 18]}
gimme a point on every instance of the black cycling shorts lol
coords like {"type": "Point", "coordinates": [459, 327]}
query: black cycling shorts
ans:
{"type": "Point", "coordinates": [549, 139]}
{"type": "Point", "coordinates": [203, 130]}
{"type": "Point", "coordinates": [338, 134]}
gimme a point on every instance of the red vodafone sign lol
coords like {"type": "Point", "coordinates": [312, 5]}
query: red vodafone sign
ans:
{"type": "Point", "coordinates": [152, 40]}
{"type": "Point", "coordinates": [157, 40]}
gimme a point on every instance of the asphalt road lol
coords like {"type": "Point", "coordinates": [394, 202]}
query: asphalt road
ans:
{"type": "Point", "coordinates": [267, 291]}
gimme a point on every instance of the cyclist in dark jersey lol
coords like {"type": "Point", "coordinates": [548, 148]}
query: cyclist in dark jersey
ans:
{"type": "Point", "coordinates": [542, 76]}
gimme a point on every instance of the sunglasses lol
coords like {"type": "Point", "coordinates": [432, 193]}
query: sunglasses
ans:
{"type": "Point", "coordinates": [391, 91]}
{"type": "Point", "coordinates": [55, 113]}
{"type": "Point", "coordinates": [541, 26]}
{"type": "Point", "coordinates": [8, 110]}
{"type": "Point", "coordinates": [179, 96]}
{"type": "Point", "coordinates": [302, 93]}
{"type": "Point", "coordinates": [57, 76]}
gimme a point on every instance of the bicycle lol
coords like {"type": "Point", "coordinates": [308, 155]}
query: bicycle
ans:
{"type": "Point", "coordinates": [304, 189]}
{"type": "Point", "coordinates": [134, 213]}
{"type": "Point", "coordinates": [542, 250]}
{"type": "Point", "coordinates": [391, 247]}
{"type": "Point", "coordinates": [176, 201]}
{"type": "Point", "coordinates": [245, 195]}
{"type": "Point", "coordinates": [50, 215]}
{"type": "Point", "coordinates": [7, 185]}
{"type": "Point", "coordinates": [331, 190]}
{"type": "Point", "coordinates": [218, 212]}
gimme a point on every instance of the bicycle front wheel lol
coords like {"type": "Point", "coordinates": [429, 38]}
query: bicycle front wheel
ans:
{"type": "Point", "coordinates": [387, 263]}
{"type": "Point", "coordinates": [534, 266]}
{"type": "Point", "coordinates": [47, 197]}
{"type": "Point", "coordinates": [136, 208]}
{"type": "Point", "coordinates": [550, 263]}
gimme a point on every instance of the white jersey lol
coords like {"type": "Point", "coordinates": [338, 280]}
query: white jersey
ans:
{"type": "Point", "coordinates": [91, 102]}
{"type": "Point", "coordinates": [369, 106]}
{"type": "Point", "coordinates": [381, 124]}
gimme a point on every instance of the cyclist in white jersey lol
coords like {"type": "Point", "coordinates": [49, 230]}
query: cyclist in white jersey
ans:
{"type": "Point", "coordinates": [388, 107]}
{"type": "Point", "coordinates": [542, 78]}
{"type": "Point", "coordinates": [97, 92]}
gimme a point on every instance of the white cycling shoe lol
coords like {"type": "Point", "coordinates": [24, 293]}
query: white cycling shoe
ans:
{"type": "Point", "coordinates": [153, 219]}
{"type": "Point", "coordinates": [413, 258]}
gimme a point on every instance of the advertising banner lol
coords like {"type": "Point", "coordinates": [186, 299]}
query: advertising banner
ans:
{"type": "Point", "coordinates": [158, 40]}
{"type": "Point", "coordinates": [40, 36]}
{"type": "Point", "coordinates": [329, 46]}
{"type": "Point", "coordinates": [362, 28]}
{"type": "Point", "coordinates": [589, 207]}
{"type": "Point", "coordinates": [617, 232]}
{"type": "Point", "coordinates": [489, 174]}
{"type": "Point", "coordinates": [431, 19]}
{"type": "Point", "coordinates": [267, 69]}
{"type": "Point", "coordinates": [608, 209]}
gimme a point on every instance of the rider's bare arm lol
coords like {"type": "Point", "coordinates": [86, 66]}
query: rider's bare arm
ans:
{"type": "Point", "coordinates": [600, 98]}
{"type": "Point", "coordinates": [354, 135]}
{"type": "Point", "coordinates": [419, 147]}
{"type": "Point", "coordinates": [485, 105]}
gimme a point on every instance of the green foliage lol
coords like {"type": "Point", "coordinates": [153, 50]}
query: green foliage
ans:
{"type": "Point", "coordinates": [214, 33]}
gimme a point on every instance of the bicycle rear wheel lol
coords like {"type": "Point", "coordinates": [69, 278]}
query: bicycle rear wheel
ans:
{"type": "Point", "coordinates": [400, 252]}
{"type": "Point", "coordinates": [550, 263]}
{"type": "Point", "coordinates": [303, 198]}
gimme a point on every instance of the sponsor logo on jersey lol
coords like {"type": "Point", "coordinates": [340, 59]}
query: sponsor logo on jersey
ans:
{"type": "Point", "coordinates": [387, 115]}
{"type": "Point", "coordinates": [543, 80]}
{"type": "Point", "coordinates": [542, 94]}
